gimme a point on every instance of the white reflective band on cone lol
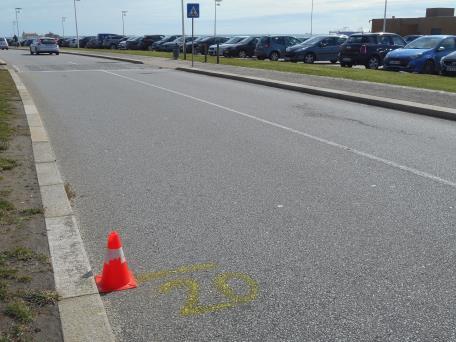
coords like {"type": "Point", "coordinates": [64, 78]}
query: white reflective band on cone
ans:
{"type": "Point", "coordinates": [113, 254]}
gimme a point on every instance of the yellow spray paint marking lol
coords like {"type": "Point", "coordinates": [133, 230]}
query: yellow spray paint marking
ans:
{"type": "Point", "coordinates": [146, 277]}
{"type": "Point", "coordinates": [192, 306]}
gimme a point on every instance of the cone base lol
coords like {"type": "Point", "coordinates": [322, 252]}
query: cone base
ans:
{"type": "Point", "coordinates": [130, 285]}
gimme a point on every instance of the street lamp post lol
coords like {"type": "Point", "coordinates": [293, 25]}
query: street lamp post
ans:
{"type": "Point", "coordinates": [14, 27]}
{"type": "Point", "coordinates": [124, 14]}
{"type": "Point", "coordinates": [384, 16]}
{"type": "Point", "coordinates": [18, 10]}
{"type": "Point", "coordinates": [76, 21]}
{"type": "Point", "coordinates": [183, 31]}
{"type": "Point", "coordinates": [216, 3]}
{"type": "Point", "coordinates": [311, 17]}
{"type": "Point", "coordinates": [63, 27]}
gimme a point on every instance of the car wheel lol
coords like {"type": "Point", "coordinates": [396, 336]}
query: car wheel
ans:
{"type": "Point", "coordinates": [373, 63]}
{"type": "Point", "coordinates": [242, 54]}
{"type": "Point", "coordinates": [274, 56]}
{"type": "Point", "coordinates": [31, 52]}
{"type": "Point", "coordinates": [57, 53]}
{"type": "Point", "coordinates": [428, 68]}
{"type": "Point", "coordinates": [333, 61]}
{"type": "Point", "coordinates": [309, 58]}
{"type": "Point", "coordinates": [260, 58]}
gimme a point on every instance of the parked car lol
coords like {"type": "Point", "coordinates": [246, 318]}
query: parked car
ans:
{"type": "Point", "coordinates": [100, 39]}
{"type": "Point", "coordinates": [188, 43]}
{"type": "Point", "coordinates": [27, 42]}
{"type": "Point", "coordinates": [422, 55]}
{"type": "Point", "coordinates": [448, 64]}
{"type": "Point", "coordinates": [203, 45]}
{"type": "Point", "coordinates": [319, 48]}
{"type": "Point", "coordinates": [44, 45]}
{"type": "Point", "coordinates": [73, 43]}
{"type": "Point", "coordinates": [92, 43]}
{"type": "Point", "coordinates": [169, 46]}
{"type": "Point", "coordinates": [166, 39]}
{"type": "Point", "coordinates": [411, 38]}
{"type": "Point", "coordinates": [83, 41]}
{"type": "Point", "coordinates": [243, 49]}
{"type": "Point", "coordinates": [148, 40]}
{"type": "Point", "coordinates": [368, 49]}
{"type": "Point", "coordinates": [134, 43]}
{"type": "Point", "coordinates": [111, 42]}
{"type": "Point", "coordinates": [123, 42]}
{"type": "Point", "coordinates": [127, 43]}
{"type": "Point", "coordinates": [3, 43]}
{"type": "Point", "coordinates": [229, 42]}
{"type": "Point", "coordinates": [274, 47]}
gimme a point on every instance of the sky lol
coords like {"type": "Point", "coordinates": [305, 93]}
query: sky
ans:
{"type": "Point", "coordinates": [233, 16]}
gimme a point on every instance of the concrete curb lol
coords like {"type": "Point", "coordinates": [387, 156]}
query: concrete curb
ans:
{"type": "Point", "coordinates": [121, 59]}
{"type": "Point", "coordinates": [82, 313]}
{"type": "Point", "coordinates": [2, 62]}
{"type": "Point", "coordinates": [406, 106]}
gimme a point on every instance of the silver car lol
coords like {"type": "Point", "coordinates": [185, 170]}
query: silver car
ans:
{"type": "Point", "coordinates": [3, 43]}
{"type": "Point", "coordinates": [44, 45]}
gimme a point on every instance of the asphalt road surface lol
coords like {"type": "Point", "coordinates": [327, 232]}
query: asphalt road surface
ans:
{"type": "Point", "coordinates": [298, 218]}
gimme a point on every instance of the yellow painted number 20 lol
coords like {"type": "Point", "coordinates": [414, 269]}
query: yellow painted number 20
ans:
{"type": "Point", "coordinates": [192, 305]}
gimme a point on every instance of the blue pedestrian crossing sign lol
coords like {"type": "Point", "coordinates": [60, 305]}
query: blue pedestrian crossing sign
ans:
{"type": "Point", "coordinates": [193, 10]}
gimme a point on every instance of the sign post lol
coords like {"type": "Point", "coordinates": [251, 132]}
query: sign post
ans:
{"type": "Point", "coordinates": [193, 11]}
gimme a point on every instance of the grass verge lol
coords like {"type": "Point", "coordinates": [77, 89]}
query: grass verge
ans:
{"type": "Point", "coordinates": [433, 82]}
{"type": "Point", "coordinates": [27, 302]}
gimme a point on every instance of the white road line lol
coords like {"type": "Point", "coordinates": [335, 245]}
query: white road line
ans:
{"type": "Point", "coordinates": [73, 70]}
{"type": "Point", "coordinates": [309, 136]}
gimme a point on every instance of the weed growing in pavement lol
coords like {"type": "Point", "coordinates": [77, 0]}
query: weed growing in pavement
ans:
{"type": "Point", "coordinates": [19, 311]}
{"type": "Point", "coordinates": [24, 254]}
{"type": "Point", "coordinates": [3, 291]}
{"type": "Point", "coordinates": [7, 164]}
{"type": "Point", "coordinates": [24, 279]}
{"type": "Point", "coordinates": [6, 206]}
{"type": "Point", "coordinates": [31, 212]}
{"type": "Point", "coordinates": [40, 298]}
{"type": "Point", "coordinates": [7, 273]}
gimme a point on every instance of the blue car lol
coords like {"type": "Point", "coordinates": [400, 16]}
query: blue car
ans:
{"type": "Point", "coordinates": [319, 48]}
{"type": "Point", "coordinates": [422, 55]}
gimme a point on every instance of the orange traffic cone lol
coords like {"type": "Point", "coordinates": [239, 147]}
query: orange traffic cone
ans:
{"type": "Point", "coordinates": [115, 276]}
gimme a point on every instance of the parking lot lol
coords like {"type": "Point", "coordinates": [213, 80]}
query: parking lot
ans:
{"type": "Point", "coordinates": [251, 213]}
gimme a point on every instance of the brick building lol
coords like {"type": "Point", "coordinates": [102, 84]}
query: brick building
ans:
{"type": "Point", "coordinates": [436, 21]}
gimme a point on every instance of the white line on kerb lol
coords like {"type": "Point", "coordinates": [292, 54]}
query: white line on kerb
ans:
{"type": "Point", "coordinates": [309, 136]}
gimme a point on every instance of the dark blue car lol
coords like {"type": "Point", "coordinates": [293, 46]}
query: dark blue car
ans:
{"type": "Point", "coordinates": [448, 64]}
{"type": "Point", "coordinates": [422, 55]}
{"type": "Point", "coordinates": [319, 48]}
{"type": "Point", "coordinates": [274, 47]}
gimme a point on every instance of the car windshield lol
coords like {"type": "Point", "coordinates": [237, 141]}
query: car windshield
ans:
{"type": "Point", "coordinates": [234, 40]}
{"type": "Point", "coordinates": [424, 43]}
{"type": "Point", "coordinates": [245, 40]}
{"type": "Point", "coordinates": [312, 41]}
{"type": "Point", "coordinates": [360, 39]}
{"type": "Point", "coordinates": [47, 41]}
